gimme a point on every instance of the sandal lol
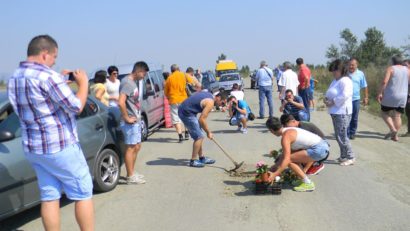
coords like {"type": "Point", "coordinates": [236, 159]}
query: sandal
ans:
{"type": "Point", "coordinates": [394, 136]}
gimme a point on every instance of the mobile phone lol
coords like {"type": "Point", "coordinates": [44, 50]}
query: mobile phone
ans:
{"type": "Point", "coordinates": [71, 76]}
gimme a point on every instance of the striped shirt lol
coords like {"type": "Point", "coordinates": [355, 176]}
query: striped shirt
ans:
{"type": "Point", "coordinates": [46, 107]}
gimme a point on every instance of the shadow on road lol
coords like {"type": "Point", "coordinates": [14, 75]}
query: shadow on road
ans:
{"type": "Point", "coordinates": [249, 187]}
{"type": "Point", "coordinates": [169, 162]}
{"type": "Point", "coordinates": [226, 131]}
{"type": "Point", "coordinates": [368, 134]}
{"type": "Point", "coordinates": [162, 140]}
{"type": "Point", "coordinates": [14, 222]}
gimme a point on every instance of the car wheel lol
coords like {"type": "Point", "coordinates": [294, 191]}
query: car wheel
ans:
{"type": "Point", "coordinates": [144, 129]}
{"type": "Point", "coordinates": [107, 171]}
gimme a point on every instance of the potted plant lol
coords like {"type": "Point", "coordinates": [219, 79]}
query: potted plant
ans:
{"type": "Point", "coordinates": [262, 171]}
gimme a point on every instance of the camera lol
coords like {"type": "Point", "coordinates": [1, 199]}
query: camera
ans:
{"type": "Point", "coordinates": [71, 76]}
{"type": "Point", "coordinates": [233, 104]}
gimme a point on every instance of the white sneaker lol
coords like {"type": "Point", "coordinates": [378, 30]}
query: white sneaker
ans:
{"type": "Point", "coordinates": [135, 180]}
{"type": "Point", "coordinates": [244, 131]}
{"type": "Point", "coordinates": [348, 162]}
{"type": "Point", "coordinates": [138, 175]}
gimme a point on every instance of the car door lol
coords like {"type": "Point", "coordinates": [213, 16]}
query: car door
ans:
{"type": "Point", "coordinates": [91, 131]}
{"type": "Point", "coordinates": [149, 97]}
{"type": "Point", "coordinates": [159, 95]}
{"type": "Point", "coordinates": [18, 184]}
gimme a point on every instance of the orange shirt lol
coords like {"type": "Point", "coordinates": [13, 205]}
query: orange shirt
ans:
{"type": "Point", "coordinates": [304, 73]}
{"type": "Point", "coordinates": [175, 87]}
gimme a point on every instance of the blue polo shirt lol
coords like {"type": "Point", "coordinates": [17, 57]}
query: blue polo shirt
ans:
{"type": "Point", "coordinates": [359, 82]}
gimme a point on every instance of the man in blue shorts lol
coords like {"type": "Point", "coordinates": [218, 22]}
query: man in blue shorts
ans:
{"type": "Point", "coordinates": [49, 131]}
{"type": "Point", "coordinates": [201, 102]}
{"type": "Point", "coordinates": [129, 103]}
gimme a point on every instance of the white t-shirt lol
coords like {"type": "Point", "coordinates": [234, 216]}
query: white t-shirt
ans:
{"type": "Point", "coordinates": [289, 80]}
{"type": "Point", "coordinates": [113, 89]}
{"type": "Point", "coordinates": [238, 94]}
{"type": "Point", "coordinates": [340, 92]}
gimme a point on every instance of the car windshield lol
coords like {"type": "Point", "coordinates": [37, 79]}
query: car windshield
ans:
{"type": "Point", "coordinates": [230, 77]}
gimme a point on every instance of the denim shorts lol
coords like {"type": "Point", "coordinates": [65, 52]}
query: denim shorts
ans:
{"type": "Point", "coordinates": [132, 132]}
{"type": "Point", "coordinates": [66, 170]}
{"type": "Point", "coordinates": [318, 151]}
{"type": "Point", "coordinates": [192, 124]}
{"type": "Point", "coordinates": [239, 116]}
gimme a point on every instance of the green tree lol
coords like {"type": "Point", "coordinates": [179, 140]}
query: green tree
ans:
{"type": "Point", "coordinates": [349, 45]}
{"type": "Point", "coordinates": [406, 48]}
{"type": "Point", "coordinates": [372, 48]}
{"type": "Point", "coordinates": [332, 52]}
{"type": "Point", "coordinates": [245, 71]}
{"type": "Point", "coordinates": [221, 57]}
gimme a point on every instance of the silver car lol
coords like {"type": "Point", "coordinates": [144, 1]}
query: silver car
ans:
{"type": "Point", "coordinates": [226, 81]}
{"type": "Point", "coordinates": [100, 139]}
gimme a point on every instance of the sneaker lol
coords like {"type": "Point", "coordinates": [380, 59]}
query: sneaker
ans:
{"type": "Point", "coordinates": [180, 138]}
{"type": "Point", "coordinates": [315, 169]}
{"type": "Point", "coordinates": [138, 175]}
{"type": "Point", "coordinates": [340, 159]}
{"type": "Point", "coordinates": [196, 164]}
{"type": "Point", "coordinates": [244, 131]}
{"type": "Point", "coordinates": [296, 182]}
{"type": "Point", "coordinates": [261, 117]}
{"type": "Point", "coordinates": [347, 162]}
{"type": "Point", "coordinates": [186, 135]}
{"type": "Point", "coordinates": [352, 137]}
{"type": "Point", "coordinates": [135, 180]}
{"type": "Point", "coordinates": [206, 160]}
{"type": "Point", "coordinates": [305, 187]}
{"type": "Point", "coordinates": [239, 129]}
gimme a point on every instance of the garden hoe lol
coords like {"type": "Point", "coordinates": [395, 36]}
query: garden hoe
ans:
{"type": "Point", "coordinates": [237, 166]}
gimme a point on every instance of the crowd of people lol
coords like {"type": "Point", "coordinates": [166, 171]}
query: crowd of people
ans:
{"type": "Point", "coordinates": [53, 106]}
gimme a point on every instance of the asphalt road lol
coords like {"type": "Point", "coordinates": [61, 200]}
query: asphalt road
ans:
{"type": "Point", "coordinates": [374, 194]}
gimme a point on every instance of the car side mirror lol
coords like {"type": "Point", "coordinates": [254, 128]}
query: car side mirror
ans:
{"type": "Point", "coordinates": [6, 136]}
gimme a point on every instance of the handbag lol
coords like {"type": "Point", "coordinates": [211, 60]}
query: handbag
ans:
{"type": "Point", "coordinates": [251, 116]}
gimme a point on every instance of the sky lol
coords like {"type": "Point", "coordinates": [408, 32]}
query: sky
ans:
{"type": "Point", "coordinates": [97, 33]}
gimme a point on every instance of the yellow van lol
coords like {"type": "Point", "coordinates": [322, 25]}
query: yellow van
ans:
{"type": "Point", "coordinates": [225, 67]}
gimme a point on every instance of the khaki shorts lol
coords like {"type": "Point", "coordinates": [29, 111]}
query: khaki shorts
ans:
{"type": "Point", "coordinates": [174, 114]}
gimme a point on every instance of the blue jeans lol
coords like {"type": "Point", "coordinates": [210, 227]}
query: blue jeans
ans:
{"type": "Point", "coordinates": [303, 115]}
{"type": "Point", "coordinates": [304, 94]}
{"type": "Point", "coordinates": [351, 131]}
{"type": "Point", "coordinates": [265, 91]}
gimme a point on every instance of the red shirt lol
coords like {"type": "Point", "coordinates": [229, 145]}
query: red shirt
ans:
{"type": "Point", "coordinates": [304, 73]}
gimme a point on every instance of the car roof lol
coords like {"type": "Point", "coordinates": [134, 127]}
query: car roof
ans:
{"type": "Point", "coordinates": [127, 68]}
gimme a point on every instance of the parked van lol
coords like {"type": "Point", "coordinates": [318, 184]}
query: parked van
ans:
{"type": "Point", "coordinates": [225, 67]}
{"type": "Point", "coordinates": [152, 106]}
